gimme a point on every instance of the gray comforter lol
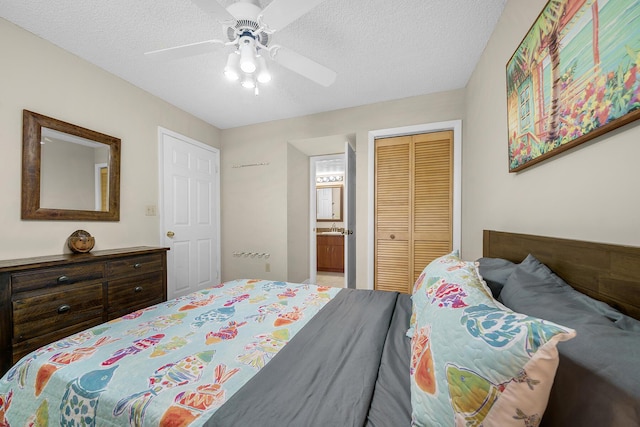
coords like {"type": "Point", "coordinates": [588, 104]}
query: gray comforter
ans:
{"type": "Point", "coordinates": [347, 367]}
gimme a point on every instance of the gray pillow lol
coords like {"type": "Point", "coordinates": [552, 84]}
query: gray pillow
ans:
{"type": "Point", "coordinates": [495, 271]}
{"type": "Point", "coordinates": [601, 346]}
{"type": "Point", "coordinates": [548, 282]}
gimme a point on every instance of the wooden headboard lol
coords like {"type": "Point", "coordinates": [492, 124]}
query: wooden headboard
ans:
{"type": "Point", "coordinates": [610, 273]}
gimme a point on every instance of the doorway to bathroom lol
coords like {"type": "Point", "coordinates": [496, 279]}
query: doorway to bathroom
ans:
{"type": "Point", "coordinates": [332, 212]}
{"type": "Point", "coordinates": [302, 251]}
{"type": "Point", "coordinates": [329, 215]}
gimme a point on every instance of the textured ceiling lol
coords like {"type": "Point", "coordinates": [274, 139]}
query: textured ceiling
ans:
{"type": "Point", "coordinates": [380, 49]}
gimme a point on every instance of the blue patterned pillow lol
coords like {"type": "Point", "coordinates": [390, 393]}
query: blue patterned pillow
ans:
{"type": "Point", "coordinates": [473, 361]}
{"type": "Point", "coordinates": [445, 266]}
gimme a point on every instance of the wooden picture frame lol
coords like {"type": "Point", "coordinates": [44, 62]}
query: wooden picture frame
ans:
{"type": "Point", "coordinates": [575, 76]}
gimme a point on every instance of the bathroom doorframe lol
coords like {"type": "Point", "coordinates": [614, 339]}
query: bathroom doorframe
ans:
{"type": "Point", "coordinates": [313, 267]}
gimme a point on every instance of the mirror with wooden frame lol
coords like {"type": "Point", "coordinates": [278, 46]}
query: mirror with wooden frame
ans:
{"type": "Point", "coordinates": [68, 172]}
{"type": "Point", "coordinates": [329, 203]}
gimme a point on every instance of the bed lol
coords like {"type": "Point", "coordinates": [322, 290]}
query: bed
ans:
{"type": "Point", "coordinates": [598, 378]}
{"type": "Point", "coordinates": [268, 353]}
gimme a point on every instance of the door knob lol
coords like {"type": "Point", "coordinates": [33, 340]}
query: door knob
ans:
{"type": "Point", "coordinates": [170, 234]}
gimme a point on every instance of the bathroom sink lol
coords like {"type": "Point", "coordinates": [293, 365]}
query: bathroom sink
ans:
{"type": "Point", "coordinates": [331, 233]}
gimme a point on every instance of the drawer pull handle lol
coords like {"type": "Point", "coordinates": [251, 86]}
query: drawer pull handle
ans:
{"type": "Point", "coordinates": [63, 279]}
{"type": "Point", "coordinates": [137, 289]}
{"type": "Point", "coordinates": [137, 265]}
{"type": "Point", "coordinates": [64, 308]}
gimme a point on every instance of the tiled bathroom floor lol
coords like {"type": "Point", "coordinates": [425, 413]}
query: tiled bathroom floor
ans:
{"type": "Point", "coordinates": [330, 279]}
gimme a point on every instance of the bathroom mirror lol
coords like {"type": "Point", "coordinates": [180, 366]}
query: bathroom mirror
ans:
{"type": "Point", "coordinates": [329, 203]}
{"type": "Point", "coordinates": [68, 172]}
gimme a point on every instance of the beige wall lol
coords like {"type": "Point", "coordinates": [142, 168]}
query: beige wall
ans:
{"type": "Point", "coordinates": [587, 193]}
{"type": "Point", "coordinates": [38, 76]}
{"type": "Point", "coordinates": [298, 199]}
{"type": "Point", "coordinates": [254, 199]}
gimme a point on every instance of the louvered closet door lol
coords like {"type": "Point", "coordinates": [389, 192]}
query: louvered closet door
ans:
{"type": "Point", "coordinates": [392, 213]}
{"type": "Point", "coordinates": [413, 206]}
{"type": "Point", "coordinates": [432, 199]}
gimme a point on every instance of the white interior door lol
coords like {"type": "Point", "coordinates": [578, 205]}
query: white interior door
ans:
{"type": "Point", "coordinates": [190, 216]}
{"type": "Point", "coordinates": [350, 217]}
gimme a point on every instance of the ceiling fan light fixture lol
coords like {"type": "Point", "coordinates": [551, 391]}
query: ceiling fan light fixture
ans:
{"type": "Point", "coordinates": [264, 76]}
{"type": "Point", "coordinates": [248, 82]}
{"type": "Point", "coordinates": [249, 28]}
{"type": "Point", "coordinates": [248, 55]}
{"type": "Point", "coordinates": [231, 69]}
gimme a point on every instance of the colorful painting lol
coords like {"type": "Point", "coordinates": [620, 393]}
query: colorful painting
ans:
{"type": "Point", "coordinates": [574, 77]}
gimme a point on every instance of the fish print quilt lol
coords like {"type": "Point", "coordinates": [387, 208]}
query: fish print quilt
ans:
{"type": "Point", "coordinates": [172, 364]}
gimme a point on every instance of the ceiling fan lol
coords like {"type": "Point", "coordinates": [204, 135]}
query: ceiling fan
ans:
{"type": "Point", "coordinates": [249, 29]}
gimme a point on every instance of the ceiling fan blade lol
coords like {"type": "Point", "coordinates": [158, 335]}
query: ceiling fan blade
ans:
{"type": "Point", "coordinates": [303, 66]}
{"type": "Point", "coordinates": [185, 51]}
{"type": "Point", "coordinates": [212, 7]}
{"type": "Point", "coordinates": [280, 13]}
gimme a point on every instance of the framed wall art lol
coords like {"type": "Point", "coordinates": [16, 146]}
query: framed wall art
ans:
{"type": "Point", "coordinates": [575, 76]}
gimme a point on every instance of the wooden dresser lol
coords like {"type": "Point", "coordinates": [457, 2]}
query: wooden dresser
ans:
{"type": "Point", "coordinates": [44, 299]}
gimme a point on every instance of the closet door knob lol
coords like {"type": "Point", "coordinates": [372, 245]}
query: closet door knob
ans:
{"type": "Point", "coordinates": [170, 234]}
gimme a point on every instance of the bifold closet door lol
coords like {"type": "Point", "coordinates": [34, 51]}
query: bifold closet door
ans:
{"type": "Point", "coordinates": [413, 206]}
{"type": "Point", "coordinates": [432, 234]}
{"type": "Point", "coordinates": [392, 213]}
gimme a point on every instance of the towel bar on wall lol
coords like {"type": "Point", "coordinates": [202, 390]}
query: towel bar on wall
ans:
{"type": "Point", "coordinates": [250, 164]}
{"type": "Point", "coordinates": [252, 254]}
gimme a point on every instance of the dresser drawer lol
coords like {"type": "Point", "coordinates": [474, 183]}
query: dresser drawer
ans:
{"type": "Point", "coordinates": [21, 348]}
{"type": "Point", "coordinates": [43, 312]}
{"type": "Point", "coordinates": [135, 265]}
{"type": "Point", "coordinates": [47, 277]}
{"type": "Point", "coordinates": [130, 294]}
